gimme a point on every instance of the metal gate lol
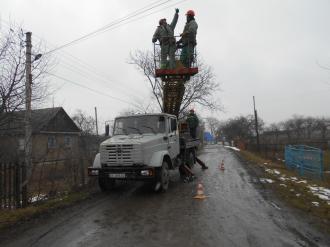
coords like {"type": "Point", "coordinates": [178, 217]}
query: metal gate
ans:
{"type": "Point", "coordinates": [13, 194]}
{"type": "Point", "coordinates": [307, 160]}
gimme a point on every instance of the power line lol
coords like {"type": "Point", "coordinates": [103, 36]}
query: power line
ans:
{"type": "Point", "coordinates": [113, 23]}
{"type": "Point", "coordinates": [134, 13]}
{"type": "Point", "coordinates": [91, 89]}
{"type": "Point", "coordinates": [84, 69]}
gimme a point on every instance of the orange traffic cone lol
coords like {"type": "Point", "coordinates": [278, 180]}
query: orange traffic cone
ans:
{"type": "Point", "coordinates": [222, 166]}
{"type": "Point", "coordinates": [200, 192]}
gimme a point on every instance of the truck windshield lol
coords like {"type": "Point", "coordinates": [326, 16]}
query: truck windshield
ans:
{"type": "Point", "coordinates": [139, 125]}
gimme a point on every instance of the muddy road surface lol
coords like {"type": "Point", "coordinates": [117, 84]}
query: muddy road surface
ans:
{"type": "Point", "coordinates": [235, 213]}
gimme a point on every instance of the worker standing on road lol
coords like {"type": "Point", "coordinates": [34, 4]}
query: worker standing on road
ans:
{"type": "Point", "coordinates": [192, 121]}
{"type": "Point", "coordinates": [188, 39]}
{"type": "Point", "coordinates": [165, 34]}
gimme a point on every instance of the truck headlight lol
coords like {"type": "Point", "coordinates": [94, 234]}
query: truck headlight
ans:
{"type": "Point", "coordinates": [94, 172]}
{"type": "Point", "coordinates": [147, 172]}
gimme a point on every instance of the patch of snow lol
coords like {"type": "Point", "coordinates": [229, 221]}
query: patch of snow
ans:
{"type": "Point", "coordinates": [321, 192]}
{"type": "Point", "coordinates": [266, 180]}
{"type": "Point", "coordinates": [282, 178]}
{"type": "Point", "coordinates": [277, 172]}
{"type": "Point", "coordinates": [294, 178]}
{"type": "Point", "coordinates": [265, 163]}
{"type": "Point", "coordinates": [284, 185]}
{"type": "Point", "coordinates": [302, 182]}
{"type": "Point", "coordinates": [233, 148]}
{"type": "Point", "coordinates": [323, 197]}
{"type": "Point", "coordinates": [297, 195]}
{"type": "Point", "coordinates": [316, 204]}
{"type": "Point", "coordinates": [292, 190]}
{"type": "Point", "coordinates": [38, 198]}
{"type": "Point", "coordinates": [269, 170]}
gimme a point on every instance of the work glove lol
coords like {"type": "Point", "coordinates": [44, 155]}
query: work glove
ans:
{"type": "Point", "coordinates": [154, 40]}
{"type": "Point", "coordinates": [177, 11]}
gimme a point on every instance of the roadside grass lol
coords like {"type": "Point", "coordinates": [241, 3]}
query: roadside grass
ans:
{"type": "Point", "coordinates": [11, 217]}
{"type": "Point", "coordinates": [295, 192]}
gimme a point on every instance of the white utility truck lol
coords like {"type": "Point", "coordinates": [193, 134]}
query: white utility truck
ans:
{"type": "Point", "coordinates": [144, 147]}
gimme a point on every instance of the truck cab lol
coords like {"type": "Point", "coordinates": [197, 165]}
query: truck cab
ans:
{"type": "Point", "coordinates": [142, 147]}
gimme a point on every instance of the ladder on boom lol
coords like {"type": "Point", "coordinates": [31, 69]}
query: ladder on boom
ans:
{"type": "Point", "coordinates": [173, 80]}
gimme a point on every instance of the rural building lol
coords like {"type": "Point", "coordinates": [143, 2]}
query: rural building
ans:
{"type": "Point", "coordinates": [54, 135]}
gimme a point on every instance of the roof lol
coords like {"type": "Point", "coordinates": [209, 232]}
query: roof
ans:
{"type": "Point", "coordinates": [41, 120]}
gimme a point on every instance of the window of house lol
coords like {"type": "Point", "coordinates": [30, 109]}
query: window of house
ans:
{"type": "Point", "coordinates": [67, 141]}
{"type": "Point", "coordinates": [21, 145]}
{"type": "Point", "coordinates": [51, 142]}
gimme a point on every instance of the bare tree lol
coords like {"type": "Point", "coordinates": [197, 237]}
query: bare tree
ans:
{"type": "Point", "coordinates": [199, 90]}
{"type": "Point", "coordinates": [242, 127]}
{"type": "Point", "coordinates": [12, 72]}
{"type": "Point", "coordinates": [85, 122]}
{"type": "Point", "coordinates": [214, 124]}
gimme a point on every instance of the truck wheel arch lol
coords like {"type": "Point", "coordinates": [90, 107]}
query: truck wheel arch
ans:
{"type": "Point", "coordinates": [158, 158]}
{"type": "Point", "coordinates": [169, 161]}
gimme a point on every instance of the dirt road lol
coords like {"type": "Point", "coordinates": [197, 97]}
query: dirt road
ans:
{"type": "Point", "coordinates": [235, 213]}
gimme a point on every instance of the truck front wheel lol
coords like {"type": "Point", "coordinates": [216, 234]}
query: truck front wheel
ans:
{"type": "Point", "coordinates": [163, 178]}
{"type": "Point", "coordinates": [106, 184]}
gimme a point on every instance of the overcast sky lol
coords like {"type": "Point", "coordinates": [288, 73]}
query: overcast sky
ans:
{"type": "Point", "coordinates": [266, 48]}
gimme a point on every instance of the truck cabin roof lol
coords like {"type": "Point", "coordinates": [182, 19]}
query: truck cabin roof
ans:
{"type": "Point", "coordinates": [148, 114]}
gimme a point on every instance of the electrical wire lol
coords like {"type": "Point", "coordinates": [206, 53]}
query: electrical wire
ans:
{"type": "Point", "coordinates": [86, 70]}
{"type": "Point", "coordinates": [91, 89]}
{"type": "Point", "coordinates": [111, 24]}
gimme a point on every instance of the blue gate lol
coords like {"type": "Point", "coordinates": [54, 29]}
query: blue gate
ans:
{"type": "Point", "coordinates": [307, 160]}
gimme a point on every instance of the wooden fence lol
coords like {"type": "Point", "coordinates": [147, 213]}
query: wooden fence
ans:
{"type": "Point", "coordinates": [13, 190]}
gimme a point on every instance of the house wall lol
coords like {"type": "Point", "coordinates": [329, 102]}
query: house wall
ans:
{"type": "Point", "coordinates": [42, 151]}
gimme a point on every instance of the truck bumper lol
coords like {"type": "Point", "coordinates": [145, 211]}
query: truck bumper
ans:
{"type": "Point", "coordinates": [124, 173]}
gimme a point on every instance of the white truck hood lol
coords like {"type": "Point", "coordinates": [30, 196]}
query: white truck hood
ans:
{"type": "Point", "coordinates": [132, 139]}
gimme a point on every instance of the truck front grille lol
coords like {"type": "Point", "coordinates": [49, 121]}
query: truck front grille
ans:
{"type": "Point", "coordinates": [120, 154]}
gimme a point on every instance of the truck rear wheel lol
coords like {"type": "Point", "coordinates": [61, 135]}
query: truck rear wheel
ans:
{"type": "Point", "coordinates": [163, 178]}
{"type": "Point", "coordinates": [106, 184]}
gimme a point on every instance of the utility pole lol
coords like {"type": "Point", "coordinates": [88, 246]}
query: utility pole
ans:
{"type": "Point", "coordinates": [97, 128]}
{"type": "Point", "coordinates": [256, 124]}
{"type": "Point", "coordinates": [28, 132]}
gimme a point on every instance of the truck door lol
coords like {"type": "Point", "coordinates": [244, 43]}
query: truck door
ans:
{"type": "Point", "coordinates": [173, 138]}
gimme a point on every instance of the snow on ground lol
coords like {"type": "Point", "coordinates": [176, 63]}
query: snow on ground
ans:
{"type": "Point", "coordinates": [321, 192]}
{"type": "Point", "coordinates": [38, 198]}
{"type": "Point", "coordinates": [266, 180]}
{"type": "Point", "coordinates": [233, 148]}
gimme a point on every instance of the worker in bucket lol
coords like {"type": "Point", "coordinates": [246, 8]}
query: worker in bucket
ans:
{"type": "Point", "coordinates": [165, 34]}
{"type": "Point", "coordinates": [188, 39]}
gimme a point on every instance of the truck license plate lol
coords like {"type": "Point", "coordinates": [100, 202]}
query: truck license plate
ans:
{"type": "Point", "coordinates": [117, 175]}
